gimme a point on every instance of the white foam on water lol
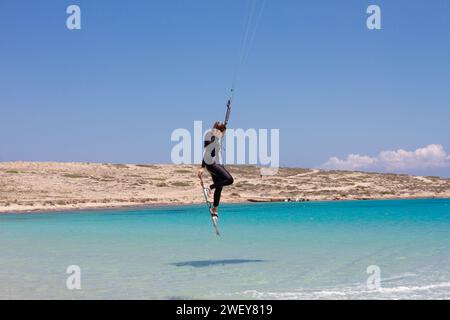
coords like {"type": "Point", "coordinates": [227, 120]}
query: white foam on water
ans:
{"type": "Point", "coordinates": [399, 277]}
{"type": "Point", "coordinates": [399, 292]}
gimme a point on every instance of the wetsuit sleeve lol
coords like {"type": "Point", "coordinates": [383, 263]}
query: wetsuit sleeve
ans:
{"type": "Point", "coordinates": [206, 143]}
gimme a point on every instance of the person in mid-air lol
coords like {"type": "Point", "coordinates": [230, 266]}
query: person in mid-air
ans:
{"type": "Point", "coordinates": [220, 176]}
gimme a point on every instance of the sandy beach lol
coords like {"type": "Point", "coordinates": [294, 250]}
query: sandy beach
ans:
{"type": "Point", "coordinates": [49, 186]}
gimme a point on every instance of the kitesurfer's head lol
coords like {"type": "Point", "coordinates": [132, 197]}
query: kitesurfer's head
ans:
{"type": "Point", "coordinates": [220, 126]}
{"type": "Point", "coordinates": [218, 129]}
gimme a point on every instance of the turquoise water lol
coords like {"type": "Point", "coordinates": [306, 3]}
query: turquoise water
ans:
{"type": "Point", "coordinates": [266, 251]}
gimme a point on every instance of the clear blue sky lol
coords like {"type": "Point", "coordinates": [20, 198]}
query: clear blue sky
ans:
{"type": "Point", "coordinates": [115, 90]}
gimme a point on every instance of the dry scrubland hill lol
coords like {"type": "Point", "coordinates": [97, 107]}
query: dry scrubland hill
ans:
{"type": "Point", "coordinates": [51, 186]}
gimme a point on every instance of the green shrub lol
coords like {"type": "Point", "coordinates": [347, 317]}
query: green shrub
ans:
{"type": "Point", "coordinates": [181, 184]}
{"type": "Point", "coordinates": [74, 175]}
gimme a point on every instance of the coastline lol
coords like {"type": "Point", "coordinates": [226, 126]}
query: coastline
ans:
{"type": "Point", "coordinates": [38, 187]}
{"type": "Point", "coordinates": [162, 205]}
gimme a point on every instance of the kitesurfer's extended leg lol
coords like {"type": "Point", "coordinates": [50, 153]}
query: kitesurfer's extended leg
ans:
{"type": "Point", "coordinates": [217, 194]}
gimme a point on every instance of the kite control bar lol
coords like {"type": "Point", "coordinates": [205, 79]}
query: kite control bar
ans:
{"type": "Point", "coordinates": [227, 116]}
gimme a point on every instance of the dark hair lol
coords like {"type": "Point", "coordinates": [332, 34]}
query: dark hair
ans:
{"type": "Point", "coordinates": [220, 126]}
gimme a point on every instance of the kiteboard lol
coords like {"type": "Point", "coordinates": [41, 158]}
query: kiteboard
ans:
{"type": "Point", "coordinates": [214, 218]}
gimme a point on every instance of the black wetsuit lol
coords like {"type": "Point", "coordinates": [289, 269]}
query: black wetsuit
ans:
{"type": "Point", "coordinates": [220, 176]}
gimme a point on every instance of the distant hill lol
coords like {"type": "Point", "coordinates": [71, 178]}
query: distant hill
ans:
{"type": "Point", "coordinates": [46, 186]}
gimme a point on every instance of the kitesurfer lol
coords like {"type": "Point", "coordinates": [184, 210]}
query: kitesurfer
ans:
{"type": "Point", "coordinates": [220, 176]}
